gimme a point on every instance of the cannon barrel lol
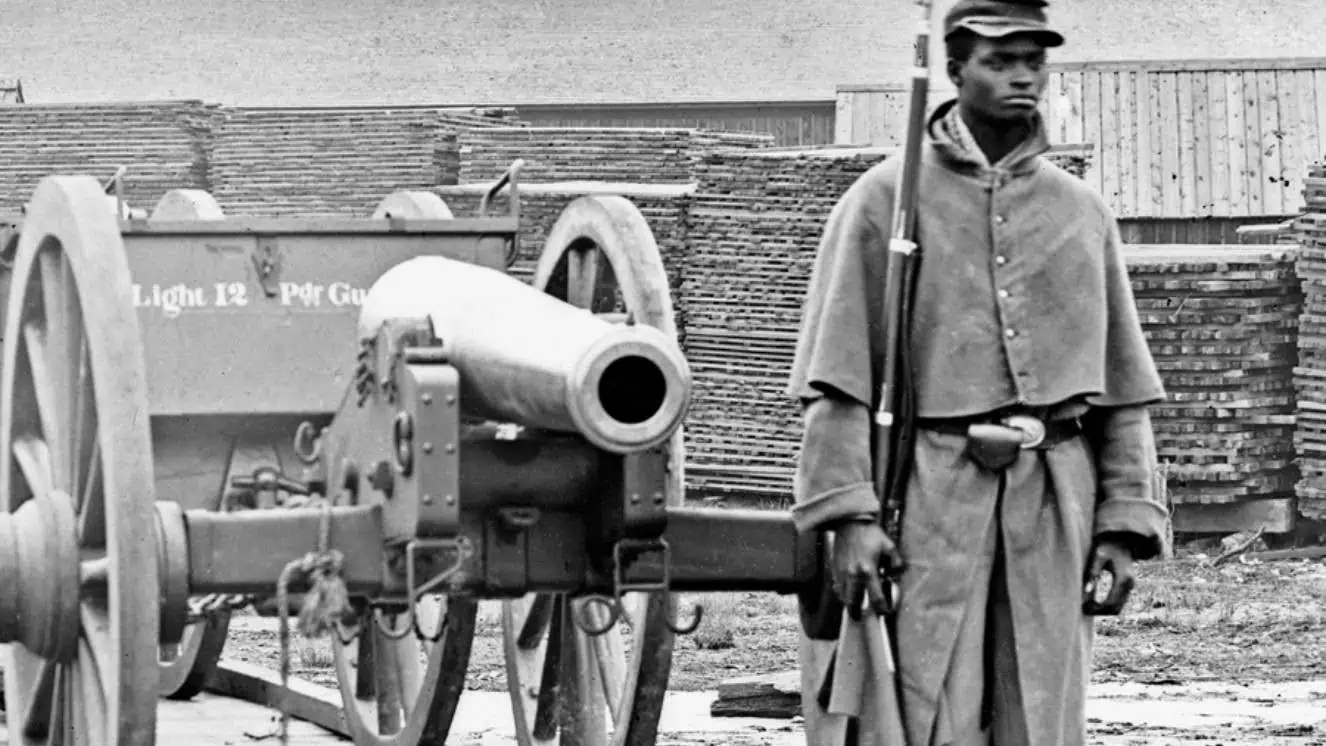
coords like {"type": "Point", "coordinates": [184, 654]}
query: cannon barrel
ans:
{"type": "Point", "coordinates": [529, 358]}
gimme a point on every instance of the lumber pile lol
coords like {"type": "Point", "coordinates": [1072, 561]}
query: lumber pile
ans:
{"type": "Point", "coordinates": [336, 162]}
{"type": "Point", "coordinates": [641, 155]}
{"type": "Point", "coordinates": [664, 207]}
{"type": "Point", "coordinates": [1222, 323]}
{"type": "Point", "coordinates": [755, 223]}
{"type": "Point", "coordinates": [163, 145]}
{"type": "Point", "coordinates": [1310, 376]}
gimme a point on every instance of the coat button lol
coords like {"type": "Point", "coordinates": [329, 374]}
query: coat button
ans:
{"type": "Point", "coordinates": [1003, 293]}
{"type": "Point", "coordinates": [1001, 260]}
{"type": "Point", "coordinates": [1010, 333]}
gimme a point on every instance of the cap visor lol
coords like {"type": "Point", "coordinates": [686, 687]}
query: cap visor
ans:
{"type": "Point", "coordinates": [999, 29]}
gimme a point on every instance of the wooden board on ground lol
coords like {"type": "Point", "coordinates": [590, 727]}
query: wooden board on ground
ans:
{"type": "Point", "coordinates": [253, 684]}
{"type": "Point", "coordinates": [213, 720]}
{"type": "Point", "coordinates": [774, 696]}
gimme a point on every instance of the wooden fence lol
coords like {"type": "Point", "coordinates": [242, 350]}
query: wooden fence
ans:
{"type": "Point", "coordinates": [1174, 139]}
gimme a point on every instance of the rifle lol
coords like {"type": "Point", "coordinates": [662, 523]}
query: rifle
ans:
{"type": "Point", "coordinates": [895, 412]}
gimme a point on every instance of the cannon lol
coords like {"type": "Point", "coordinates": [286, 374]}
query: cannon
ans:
{"type": "Point", "coordinates": [438, 432]}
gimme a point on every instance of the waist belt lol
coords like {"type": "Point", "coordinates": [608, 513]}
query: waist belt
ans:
{"type": "Point", "coordinates": [1036, 432]}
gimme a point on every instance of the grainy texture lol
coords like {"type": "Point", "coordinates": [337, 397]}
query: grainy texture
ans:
{"type": "Point", "coordinates": [1310, 376]}
{"type": "Point", "coordinates": [1221, 322]}
{"type": "Point", "coordinates": [755, 226]}
{"type": "Point", "coordinates": [326, 162]}
{"type": "Point", "coordinates": [643, 155]}
{"type": "Point", "coordinates": [422, 51]}
{"type": "Point", "coordinates": [664, 207]}
{"type": "Point", "coordinates": [164, 146]}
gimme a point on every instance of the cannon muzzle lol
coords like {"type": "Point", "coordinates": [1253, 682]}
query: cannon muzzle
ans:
{"type": "Point", "coordinates": [532, 359]}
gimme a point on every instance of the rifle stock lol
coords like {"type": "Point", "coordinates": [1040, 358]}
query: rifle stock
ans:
{"type": "Point", "coordinates": [894, 419]}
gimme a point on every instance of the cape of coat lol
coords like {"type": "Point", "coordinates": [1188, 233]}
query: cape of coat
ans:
{"type": "Point", "coordinates": [1022, 298]}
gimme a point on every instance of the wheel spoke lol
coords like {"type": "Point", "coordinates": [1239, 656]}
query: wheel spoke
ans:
{"type": "Point", "coordinates": [387, 682]}
{"type": "Point", "coordinates": [34, 462]}
{"type": "Point", "coordinates": [609, 656]}
{"type": "Point", "coordinates": [92, 711]}
{"type": "Point", "coordinates": [537, 619]}
{"type": "Point", "coordinates": [47, 386]}
{"type": "Point", "coordinates": [93, 665]}
{"type": "Point", "coordinates": [92, 504]}
{"type": "Point", "coordinates": [81, 431]}
{"type": "Point", "coordinates": [41, 702]}
{"type": "Point", "coordinates": [582, 276]}
{"type": "Point", "coordinates": [545, 712]}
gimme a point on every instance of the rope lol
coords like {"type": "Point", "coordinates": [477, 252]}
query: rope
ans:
{"type": "Point", "coordinates": [325, 605]}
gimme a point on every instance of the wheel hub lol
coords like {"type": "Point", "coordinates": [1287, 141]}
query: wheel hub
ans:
{"type": "Point", "coordinates": [39, 577]}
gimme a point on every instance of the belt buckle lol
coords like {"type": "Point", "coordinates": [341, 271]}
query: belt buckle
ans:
{"type": "Point", "coordinates": [1032, 429]}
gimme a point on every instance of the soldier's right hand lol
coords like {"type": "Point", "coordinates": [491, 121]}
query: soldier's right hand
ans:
{"type": "Point", "coordinates": [864, 558]}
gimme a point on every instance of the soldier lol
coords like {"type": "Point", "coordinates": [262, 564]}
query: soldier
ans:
{"type": "Point", "coordinates": [1033, 458]}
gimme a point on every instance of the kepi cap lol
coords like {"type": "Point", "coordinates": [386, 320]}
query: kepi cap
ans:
{"type": "Point", "coordinates": [995, 19]}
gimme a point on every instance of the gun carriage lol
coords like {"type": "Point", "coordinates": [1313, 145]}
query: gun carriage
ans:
{"type": "Point", "coordinates": [435, 433]}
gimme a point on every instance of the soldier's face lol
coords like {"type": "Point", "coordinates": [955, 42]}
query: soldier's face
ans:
{"type": "Point", "coordinates": [1003, 79]}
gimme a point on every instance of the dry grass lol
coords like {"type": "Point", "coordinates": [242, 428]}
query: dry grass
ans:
{"type": "Point", "coordinates": [1186, 621]}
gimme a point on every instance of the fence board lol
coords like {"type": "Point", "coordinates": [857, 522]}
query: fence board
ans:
{"type": "Point", "coordinates": [1188, 138]}
{"type": "Point", "coordinates": [1200, 149]}
{"type": "Point", "coordinates": [1217, 91]}
{"type": "Point", "coordinates": [1238, 140]}
{"type": "Point", "coordinates": [1268, 109]}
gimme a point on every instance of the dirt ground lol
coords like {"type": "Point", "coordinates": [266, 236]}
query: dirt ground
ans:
{"type": "Point", "coordinates": [1188, 625]}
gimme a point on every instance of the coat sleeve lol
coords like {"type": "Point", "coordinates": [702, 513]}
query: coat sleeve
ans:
{"type": "Point", "coordinates": [837, 354]}
{"type": "Point", "coordinates": [1128, 502]}
{"type": "Point", "coordinates": [1131, 377]}
{"type": "Point", "coordinates": [1126, 447]}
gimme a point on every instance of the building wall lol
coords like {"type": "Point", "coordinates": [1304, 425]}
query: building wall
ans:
{"type": "Point", "coordinates": [796, 123]}
{"type": "Point", "coordinates": [307, 52]}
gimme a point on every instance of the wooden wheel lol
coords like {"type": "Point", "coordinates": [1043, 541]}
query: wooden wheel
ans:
{"type": "Point", "coordinates": [76, 481]}
{"type": "Point", "coordinates": [606, 689]}
{"type": "Point", "coordinates": [184, 666]}
{"type": "Point", "coordinates": [391, 696]}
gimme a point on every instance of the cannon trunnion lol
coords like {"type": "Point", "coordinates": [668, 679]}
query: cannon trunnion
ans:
{"type": "Point", "coordinates": [494, 441]}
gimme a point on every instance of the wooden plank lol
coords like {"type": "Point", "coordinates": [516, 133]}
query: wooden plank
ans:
{"type": "Point", "coordinates": [1271, 142]}
{"type": "Point", "coordinates": [1130, 176]}
{"type": "Point", "coordinates": [1145, 190]}
{"type": "Point", "coordinates": [1319, 96]}
{"type": "Point", "coordinates": [1277, 515]}
{"type": "Point", "coordinates": [1218, 135]}
{"type": "Point", "coordinates": [1305, 94]}
{"type": "Point", "coordinates": [1187, 142]}
{"type": "Point", "coordinates": [1155, 146]}
{"type": "Point", "coordinates": [1292, 166]}
{"type": "Point", "coordinates": [305, 701]}
{"type": "Point", "coordinates": [1199, 99]}
{"type": "Point", "coordinates": [1073, 131]}
{"type": "Point", "coordinates": [1170, 147]}
{"type": "Point", "coordinates": [1252, 134]}
{"type": "Point", "coordinates": [1235, 92]}
{"type": "Point", "coordinates": [842, 120]}
{"type": "Point", "coordinates": [1091, 130]}
{"type": "Point", "coordinates": [1196, 65]}
{"type": "Point", "coordinates": [1109, 139]}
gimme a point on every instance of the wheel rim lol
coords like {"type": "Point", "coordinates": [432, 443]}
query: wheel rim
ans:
{"type": "Point", "coordinates": [388, 697]}
{"type": "Point", "coordinates": [75, 433]}
{"type": "Point", "coordinates": [606, 689]}
{"type": "Point", "coordinates": [183, 667]}
{"type": "Point", "coordinates": [398, 701]}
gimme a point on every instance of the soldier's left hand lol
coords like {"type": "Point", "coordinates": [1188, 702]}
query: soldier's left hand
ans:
{"type": "Point", "coordinates": [1112, 559]}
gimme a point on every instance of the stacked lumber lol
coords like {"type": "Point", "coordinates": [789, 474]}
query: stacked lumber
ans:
{"type": "Point", "coordinates": [162, 144]}
{"type": "Point", "coordinates": [641, 155]}
{"type": "Point", "coordinates": [335, 162]}
{"type": "Point", "coordinates": [755, 224]}
{"type": "Point", "coordinates": [1222, 323]}
{"type": "Point", "coordinates": [662, 205]}
{"type": "Point", "coordinates": [1310, 376]}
